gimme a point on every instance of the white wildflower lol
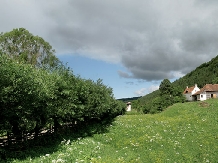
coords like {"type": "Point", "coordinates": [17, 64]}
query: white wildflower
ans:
{"type": "Point", "coordinates": [59, 160]}
{"type": "Point", "coordinates": [68, 142]}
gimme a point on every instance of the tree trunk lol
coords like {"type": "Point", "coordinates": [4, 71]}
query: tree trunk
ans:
{"type": "Point", "coordinates": [56, 125]}
{"type": "Point", "coordinates": [36, 130]}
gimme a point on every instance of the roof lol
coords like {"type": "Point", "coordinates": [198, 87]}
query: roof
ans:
{"type": "Point", "coordinates": [208, 88]}
{"type": "Point", "coordinates": [188, 90]}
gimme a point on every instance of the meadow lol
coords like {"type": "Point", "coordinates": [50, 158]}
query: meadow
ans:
{"type": "Point", "coordinates": [184, 132]}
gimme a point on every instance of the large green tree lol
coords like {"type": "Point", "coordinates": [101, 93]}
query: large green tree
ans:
{"type": "Point", "coordinates": [22, 45]}
{"type": "Point", "coordinates": [165, 87]}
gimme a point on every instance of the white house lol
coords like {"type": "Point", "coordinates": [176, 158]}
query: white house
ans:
{"type": "Point", "coordinates": [128, 108]}
{"type": "Point", "coordinates": [190, 91]}
{"type": "Point", "coordinates": [208, 91]}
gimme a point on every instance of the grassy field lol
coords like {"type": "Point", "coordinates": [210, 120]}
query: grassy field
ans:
{"type": "Point", "coordinates": [186, 132]}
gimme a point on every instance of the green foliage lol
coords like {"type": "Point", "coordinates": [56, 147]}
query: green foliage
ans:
{"type": "Point", "coordinates": [145, 99]}
{"type": "Point", "coordinates": [25, 47]}
{"type": "Point", "coordinates": [215, 80]}
{"type": "Point", "coordinates": [32, 98]}
{"type": "Point", "coordinates": [165, 87]}
{"type": "Point", "coordinates": [167, 95]}
{"type": "Point", "coordinates": [24, 91]}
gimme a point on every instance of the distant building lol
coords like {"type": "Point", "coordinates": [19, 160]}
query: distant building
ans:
{"type": "Point", "coordinates": [194, 93]}
{"type": "Point", "coordinates": [128, 108]}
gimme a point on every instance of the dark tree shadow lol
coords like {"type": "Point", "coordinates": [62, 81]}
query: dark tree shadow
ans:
{"type": "Point", "coordinates": [50, 143]}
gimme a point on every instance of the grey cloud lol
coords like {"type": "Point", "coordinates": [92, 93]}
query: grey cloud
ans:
{"type": "Point", "coordinates": [153, 40]}
{"type": "Point", "coordinates": [188, 43]}
{"type": "Point", "coordinates": [124, 74]}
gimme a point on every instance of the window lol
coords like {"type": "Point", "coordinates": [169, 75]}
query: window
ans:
{"type": "Point", "coordinates": [201, 96]}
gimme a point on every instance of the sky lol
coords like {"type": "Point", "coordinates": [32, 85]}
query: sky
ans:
{"type": "Point", "coordinates": [131, 45]}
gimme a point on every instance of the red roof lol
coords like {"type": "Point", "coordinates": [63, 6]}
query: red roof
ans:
{"type": "Point", "coordinates": [188, 90]}
{"type": "Point", "coordinates": [208, 88]}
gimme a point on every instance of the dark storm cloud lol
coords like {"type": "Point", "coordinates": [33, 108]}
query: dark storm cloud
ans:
{"type": "Point", "coordinates": [152, 39]}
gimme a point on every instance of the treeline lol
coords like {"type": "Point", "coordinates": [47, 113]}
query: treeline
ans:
{"type": "Point", "coordinates": [207, 73]}
{"type": "Point", "coordinates": [167, 95]}
{"type": "Point", "coordinates": [129, 99]}
{"type": "Point", "coordinates": [33, 98]}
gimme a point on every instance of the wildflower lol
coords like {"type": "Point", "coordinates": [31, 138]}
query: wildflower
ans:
{"type": "Point", "coordinates": [60, 160]}
{"type": "Point", "coordinates": [68, 142]}
{"type": "Point", "coordinates": [62, 142]}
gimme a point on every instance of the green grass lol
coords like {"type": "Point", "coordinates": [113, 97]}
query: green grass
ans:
{"type": "Point", "coordinates": [186, 132]}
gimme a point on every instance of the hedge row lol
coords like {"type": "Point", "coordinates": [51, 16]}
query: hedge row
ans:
{"type": "Point", "coordinates": [32, 99]}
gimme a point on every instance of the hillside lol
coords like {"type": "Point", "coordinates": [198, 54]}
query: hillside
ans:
{"type": "Point", "coordinates": [203, 74]}
{"type": "Point", "coordinates": [129, 99]}
{"type": "Point", "coordinates": [185, 132]}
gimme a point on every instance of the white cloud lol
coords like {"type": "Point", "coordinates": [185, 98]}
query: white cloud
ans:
{"type": "Point", "coordinates": [153, 88]}
{"type": "Point", "coordinates": [144, 91]}
{"type": "Point", "coordinates": [141, 92]}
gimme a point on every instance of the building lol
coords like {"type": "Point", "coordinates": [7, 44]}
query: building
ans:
{"type": "Point", "coordinates": [128, 108]}
{"type": "Point", "coordinates": [190, 91]}
{"type": "Point", "coordinates": [208, 91]}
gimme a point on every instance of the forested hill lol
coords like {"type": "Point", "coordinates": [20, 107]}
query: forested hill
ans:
{"type": "Point", "coordinates": [129, 99]}
{"type": "Point", "coordinates": [206, 73]}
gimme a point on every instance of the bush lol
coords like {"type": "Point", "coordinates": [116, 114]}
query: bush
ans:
{"type": "Point", "coordinates": [32, 98]}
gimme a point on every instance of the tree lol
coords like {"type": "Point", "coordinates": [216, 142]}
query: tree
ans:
{"type": "Point", "coordinates": [177, 95]}
{"type": "Point", "coordinates": [215, 80]}
{"type": "Point", "coordinates": [165, 87]}
{"type": "Point", "coordinates": [22, 45]}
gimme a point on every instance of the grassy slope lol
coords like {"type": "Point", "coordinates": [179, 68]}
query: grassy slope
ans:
{"type": "Point", "coordinates": [185, 132]}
